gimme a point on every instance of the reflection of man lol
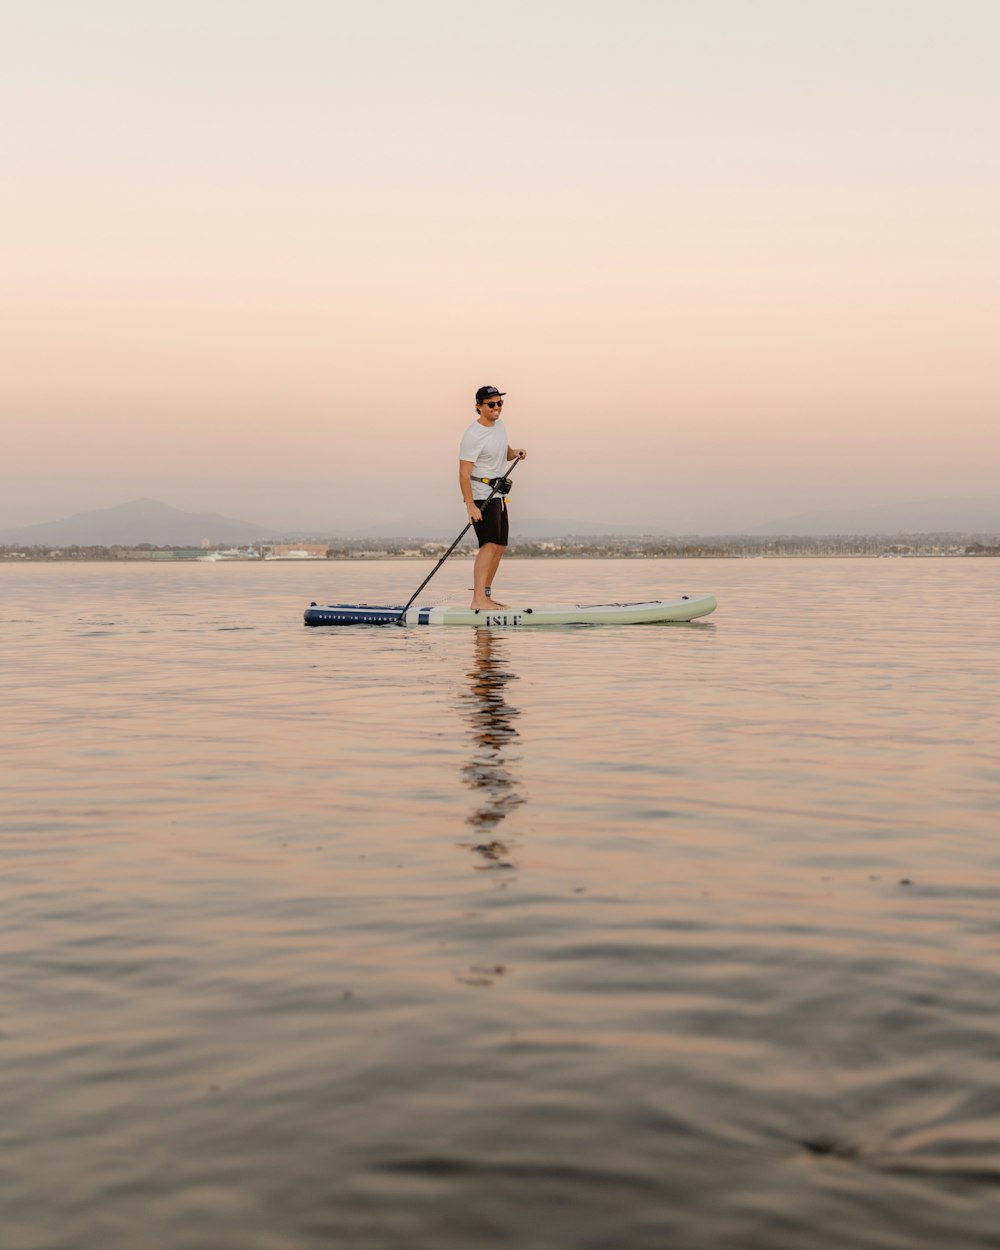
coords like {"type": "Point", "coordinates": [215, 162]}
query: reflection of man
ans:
{"type": "Point", "coordinates": [491, 717]}
{"type": "Point", "coordinates": [483, 457]}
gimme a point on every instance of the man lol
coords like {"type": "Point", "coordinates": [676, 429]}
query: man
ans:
{"type": "Point", "coordinates": [484, 453]}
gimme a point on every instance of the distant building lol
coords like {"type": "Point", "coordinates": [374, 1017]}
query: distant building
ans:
{"type": "Point", "coordinates": [295, 551]}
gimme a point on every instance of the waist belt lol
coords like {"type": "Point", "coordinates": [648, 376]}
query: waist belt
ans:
{"type": "Point", "coordinates": [502, 485]}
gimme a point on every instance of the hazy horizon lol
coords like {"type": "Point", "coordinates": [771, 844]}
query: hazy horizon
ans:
{"type": "Point", "coordinates": [157, 522]}
{"type": "Point", "coordinates": [730, 262]}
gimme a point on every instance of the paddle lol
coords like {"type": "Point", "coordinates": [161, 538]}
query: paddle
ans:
{"type": "Point", "coordinates": [480, 503]}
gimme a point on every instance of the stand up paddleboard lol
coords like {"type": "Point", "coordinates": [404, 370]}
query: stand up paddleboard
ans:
{"type": "Point", "coordinates": [686, 608]}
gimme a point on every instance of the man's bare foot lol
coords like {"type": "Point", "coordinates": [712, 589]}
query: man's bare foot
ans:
{"type": "Point", "coordinates": [497, 605]}
{"type": "Point", "coordinates": [482, 605]}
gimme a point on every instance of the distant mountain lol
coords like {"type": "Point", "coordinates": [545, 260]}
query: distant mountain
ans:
{"type": "Point", "coordinates": [931, 516]}
{"type": "Point", "coordinates": [150, 521]}
{"type": "Point", "coordinates": [130, 524]}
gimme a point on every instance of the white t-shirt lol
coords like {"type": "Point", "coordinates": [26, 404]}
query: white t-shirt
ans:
{"type": "Point", "coordinates": [487, 449]}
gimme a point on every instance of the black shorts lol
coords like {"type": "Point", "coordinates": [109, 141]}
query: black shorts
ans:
{"type": "Point", "coordinates": [494, 526]}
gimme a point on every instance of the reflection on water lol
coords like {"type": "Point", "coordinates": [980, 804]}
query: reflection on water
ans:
{"type": "Point", "coordinates": [489, 772]}
{"type": "Point", "coordinates": [741, 991]}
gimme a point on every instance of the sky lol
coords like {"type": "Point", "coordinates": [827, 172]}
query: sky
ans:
{"type": "Point", "coordinates": [731, 260]}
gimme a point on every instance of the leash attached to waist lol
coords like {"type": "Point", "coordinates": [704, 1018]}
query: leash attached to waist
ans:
{"type": "Point", "coordinates": [500, 486]}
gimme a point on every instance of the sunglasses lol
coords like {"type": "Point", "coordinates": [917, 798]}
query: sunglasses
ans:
{"type": "Point", "coordinates": [494, 403]}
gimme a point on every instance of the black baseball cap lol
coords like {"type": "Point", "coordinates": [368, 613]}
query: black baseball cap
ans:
{"type": "Point", "coordinates": [487, 392]}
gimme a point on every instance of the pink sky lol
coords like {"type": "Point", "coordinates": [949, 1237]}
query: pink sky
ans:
{"type": "Point", "coordinates": [731, 261]}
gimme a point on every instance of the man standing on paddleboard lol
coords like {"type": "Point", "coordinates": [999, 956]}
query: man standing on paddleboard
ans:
{"type": "Point", "coordinates": [484, 454]}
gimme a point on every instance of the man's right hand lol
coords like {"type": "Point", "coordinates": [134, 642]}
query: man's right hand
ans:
{"type": "Point", "coordinates": [474, 513]}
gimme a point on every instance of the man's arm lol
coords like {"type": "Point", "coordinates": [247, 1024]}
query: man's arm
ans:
{"type": "Point", "coordinates": [465, 481]}
{"type": "Point", "coordinates": [516, 453]}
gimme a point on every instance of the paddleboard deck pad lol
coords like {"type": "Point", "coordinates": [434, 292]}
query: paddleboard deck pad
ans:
{"type": "Point", "coordinates": [686, 608]}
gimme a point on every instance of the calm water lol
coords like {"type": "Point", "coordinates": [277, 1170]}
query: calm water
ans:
{"type": "Point", "coordinates": [666, 936]}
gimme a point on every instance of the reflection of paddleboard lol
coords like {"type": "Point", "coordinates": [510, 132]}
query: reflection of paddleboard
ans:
{"type": "Point", "coordinates": [686, 608]}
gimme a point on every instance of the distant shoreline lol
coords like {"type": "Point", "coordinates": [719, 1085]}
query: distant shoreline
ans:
{"type": "Point", "coordinates": [568, 547]}
{"type": "Point", "coordinates": [946, 544]}
{"type": "Point", "coordinates": [365, 557]}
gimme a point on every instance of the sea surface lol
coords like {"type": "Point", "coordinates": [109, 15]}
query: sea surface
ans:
{"type": "Point", "coordinates": [668, 937]}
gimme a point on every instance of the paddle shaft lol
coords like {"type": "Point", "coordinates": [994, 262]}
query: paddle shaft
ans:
{"type": "Point", "coordinates": [479, 504]}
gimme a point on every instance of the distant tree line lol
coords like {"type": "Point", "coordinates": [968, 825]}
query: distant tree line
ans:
{"type": "Point", "coordinates": [601, 547]}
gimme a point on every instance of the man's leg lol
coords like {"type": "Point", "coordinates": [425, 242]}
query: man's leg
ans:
{"type": "Point", "coordinates": [487, 558]}
{"type": "Point", "coordinates": [491, 572]}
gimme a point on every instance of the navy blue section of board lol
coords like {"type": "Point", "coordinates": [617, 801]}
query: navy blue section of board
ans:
{"type": "Point", "coordinates": [350, 614]}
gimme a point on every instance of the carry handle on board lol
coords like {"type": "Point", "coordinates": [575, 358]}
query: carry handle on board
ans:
{"type": "Point", "coordinates": [401, 619]}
